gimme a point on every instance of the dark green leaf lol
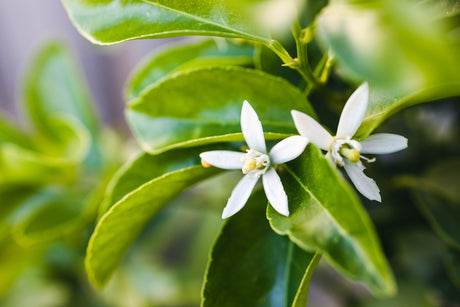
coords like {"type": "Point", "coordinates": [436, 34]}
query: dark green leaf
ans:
{"type": "Point", "coordinates": [326, 216]}
{"type": "Point", "coordinates": [120, 226]}
{"type": "Point", "coordinates": [251, 265]}
{"type": "Point", "coordinates": [203, 106]}
{"type": "Point", "coordinates": [437, 195]}
{"type": "Point", "coordinates": [181, 56]}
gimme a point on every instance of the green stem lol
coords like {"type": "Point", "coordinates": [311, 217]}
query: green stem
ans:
{"type": "Point", "coordinates": [303, 64]}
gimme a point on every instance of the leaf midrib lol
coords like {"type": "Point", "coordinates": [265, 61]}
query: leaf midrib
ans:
{"type": "Point", "coordinates": [197, 18]}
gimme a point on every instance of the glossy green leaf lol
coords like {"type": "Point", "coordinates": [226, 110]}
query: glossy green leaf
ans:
{"type": "Point", "coordinates": [120, 226]}
{"type": "Point", "coordinates": [187, 55]}
{"type": "Point", "coordinates": [327, 216]}
{"type": "Point", "coordinates": [202, 106]}
{"type": "Point", "coordinates": [250, 265]}
{"type": "Point", "coordinates": [113, 21]}
{"type": "Point", "coordinates": [144, 167]}
{"type": "Point", "coordinates": [54, 85]}
{"type": "Point", "coordinates": [11, 134]}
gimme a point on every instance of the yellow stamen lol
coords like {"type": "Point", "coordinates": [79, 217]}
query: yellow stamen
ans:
{"type": "Point", "coordinates": [205, 164]}
{"type": "Point", "coordinates": [351, 154]}
{"type": "Point", "coordinates": [249, 165]}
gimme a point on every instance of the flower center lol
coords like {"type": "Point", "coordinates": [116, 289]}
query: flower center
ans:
{"type": "Point", "coordinates": [345, 148]}
{"type": "Point", "coordinates": [255, 163]}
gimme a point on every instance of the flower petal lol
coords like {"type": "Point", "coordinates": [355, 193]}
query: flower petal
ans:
{"type": "Point", "coordinates": [252, 128]}
{"type": "Point", "coordinates": [288, 149]}
{"type": "Point", "coordinates": [223, 159]}
{"type": "Point", "coordinates": [363, 184]}
{"type": "Point", "coordinates": [240, 195]}
{"type": "Point", "coordinates": [382, 143]}
{"type": "Point", "coordinates": [275, 191]}
{"type": "Point", "coordinates": [353, 112]}
{"type": "Point", "coordinates": [308, 127]}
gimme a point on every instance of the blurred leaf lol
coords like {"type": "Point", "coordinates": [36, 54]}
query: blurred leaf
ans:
{"type": "Point", "coordinates": [326, 216]}
{"type": "Point", "coordinates": [120, 226]}
{"type": "Point", "coordinates": [13, 259]}
{"type": "Point", "coordinates": [385, 102]}
{"type": "Point", "coordinates": [437, 195]}
{"type": "Point", "coordinates": [400, 47]}
{"type": "Point", "coordinates": [202, 106]}
{"type": "Point", "coordinates": [452, 264]}
{"type": "Point", "coordinates": [51, 214]}
{"type": "Point", "coordinates": [184, 56]}
{"type": "Point", "coordinates": [54, 85]}
{"type": "Point", "coordinates": [250, 265]}
{"type": "Point", "coordinates": [49, 162]}
{"type": "Point", "coordinates": [11, 134]}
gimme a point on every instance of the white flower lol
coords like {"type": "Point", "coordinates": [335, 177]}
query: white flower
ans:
{"type": "Point", "coordinates": [342, 149]}
{"type": "Point", "coordinates": [256, 163]}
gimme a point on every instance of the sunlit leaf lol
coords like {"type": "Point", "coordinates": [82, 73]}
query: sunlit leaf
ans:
{"type": "Point", "coordinates": [201, 106]}
{"type": "Point", "coordinates": [326, 216]}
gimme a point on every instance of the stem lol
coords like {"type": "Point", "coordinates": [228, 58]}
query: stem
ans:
{"type": "Point", "coordinates": [303, 65]}
{"type": "Point", "coordinates": [277, 48]}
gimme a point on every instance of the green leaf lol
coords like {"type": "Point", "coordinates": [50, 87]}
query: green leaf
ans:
{"type": "Point", "coordinates": [385, 102]}
{"type": "Point", "coordinates": [54, 85]}
{"type": "Point", "coordinates": [48, 161]}
{"type": "Point", "coordinates": [52, 213]}
{"type": "Point", "coordinates": [182, 56]}
{"type": "Point", "coordinates": [401, 48]}
{"type": "Point", "coordinates": [120, 226]}
{"type": "Point", "coordinates": [250, 265]}
{"type": "Point", "coordinates": [326, 216]}
{"type": "Point", "coordinates": [113, 21]}
{"type": "Point", "coordinates": [202, 106]}
{"type": "Point", "coordinates": [11, 134]}
{"type": "Point", "coordinates": [144, 167]}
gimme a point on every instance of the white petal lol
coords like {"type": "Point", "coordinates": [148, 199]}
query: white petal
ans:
{"type": "Point", "coordinates": [223, 159]}
{"type": "Point", "coordinates": [330, 158]}
{"type": "Point", "coordinates": [353, 112]}
{"type": "Point", "coordinates": [382, 143]}
{"type": "Point", "coordinates": [308, 127]}
{"type": "Point", "coordinates": [240, 195]}
{"type": "Point", "coordinates": [275, 191]}
{"type": "Point", "coordinates": [288, 149]}
{"type": "Point", "coordinates": [363, 184]}
{"type": "Point", "coordinates": [252, 128]}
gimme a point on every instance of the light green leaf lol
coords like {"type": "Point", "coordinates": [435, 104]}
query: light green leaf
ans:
{"type": "Point", "coordinates": [326, 216]}
{"type": "Point", "coordinates": [182, 56]}
{"type": "Point", "coordinates": [402, 48]}
{"type": "Point", "coordinates": [202, 106]}
{"type": "Point", "coordinates": [49, 161]}
{"type": "Point", "coordinates": [385, 102]}
{"type": "Point", "coordinates": [11, 134]}
{"type": "Point", "coordinates": [120, 226]}
{"type": "Point", "coordinates": [54, 85]}
{"type": "Point", "coordinates": [250, 265]}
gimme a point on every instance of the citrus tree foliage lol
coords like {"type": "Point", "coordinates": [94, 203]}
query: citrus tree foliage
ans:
{"type": "Point", "coordinates": [187, 99]}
